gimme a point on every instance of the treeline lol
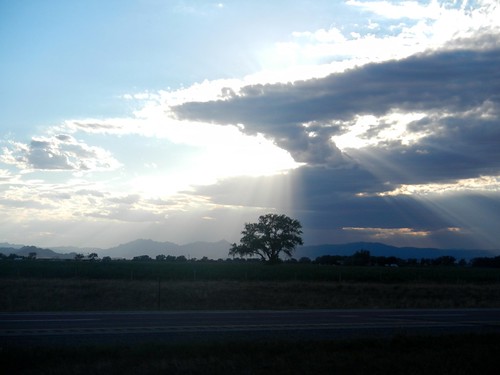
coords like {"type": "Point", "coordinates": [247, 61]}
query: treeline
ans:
{"type": "Point", "coordinates": [364, 258]}
{"type": "Point", "coordinates": [359, 258]}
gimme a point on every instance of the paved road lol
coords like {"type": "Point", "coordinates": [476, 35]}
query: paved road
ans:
{"type": "Point", "coordinates": [75, 328]}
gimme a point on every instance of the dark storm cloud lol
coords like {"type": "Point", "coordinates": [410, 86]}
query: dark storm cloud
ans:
{"type": "Point", "coordinates": [326, 199]}
{"type": "Point", "coordinates": [457, 91]}
{"type": "Point", "coordinates": [330, 195]}
{"type": "Point", "coordinates": [453, 81]}
{"type": "Point", "coordinates": [460, 147]}
{"type": "Point", "coordinates": [327, 203]}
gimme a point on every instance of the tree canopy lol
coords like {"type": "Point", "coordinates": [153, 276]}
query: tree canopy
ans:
{"type": "Point", "coordinates": [272, 235]}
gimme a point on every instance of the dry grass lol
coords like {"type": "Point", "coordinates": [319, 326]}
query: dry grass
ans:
{"type": "Point", "coordinates": [95, 295]}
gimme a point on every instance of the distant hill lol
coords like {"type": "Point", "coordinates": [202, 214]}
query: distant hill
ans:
{"type": "Point", "coordinates": [198, 250]}
{"type": "Point", "coordinates": [6, 245]}
{"type": "Point", "coordinates": [75, 250]}
{"type": "Point", "coordinates": [40, 253]}
{"type": "Point", "coordinates": [140, 247]}
{"type": "Point", "coordinates": [380, 249]}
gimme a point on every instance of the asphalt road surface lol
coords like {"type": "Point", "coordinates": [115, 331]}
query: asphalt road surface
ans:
{"type": "Point", "coordinates": [77, 328]}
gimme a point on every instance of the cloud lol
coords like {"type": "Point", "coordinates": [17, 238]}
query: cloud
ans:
{"type": "Point", "coordinates": [444, 82]}
{"type": "Point", "coordinates": [94, 127]}
{"type": "Point", "coordinates": [458, 149]}
{"type": "Point", "coordinates": [25, 204]}
{"type": "Point", "coordinates": [402, 29]}
{"type": "Point", "coordinates": [332, 35]}
{"type": "Point", "coordinates": [403, 9]}
{"type": "Point", "coordinates": [327, 200]}
{"type": "Point", "coordinates": [127, 214]}
{"type": "Point", "coordinates": [57, 153]}
{"type": "Point", "coordinates": [479, 184]}
{"type": "Point", "coordinates": [384, 233]}
{"type": "Point", "coordinates": [450, 80]}
{"type": "Point", "coordinates": [442, 21]}
{"type": "Point", "coordinates": [129, 199]}
{"type": "Point", "coordinates": [6, 177]}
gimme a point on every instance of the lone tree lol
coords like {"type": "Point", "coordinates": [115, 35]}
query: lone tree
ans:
{"type": "Point", "coordinates": [269, 237]}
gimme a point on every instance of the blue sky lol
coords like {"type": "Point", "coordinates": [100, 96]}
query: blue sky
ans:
{"type": "Point", "coordinates": [182, 120]}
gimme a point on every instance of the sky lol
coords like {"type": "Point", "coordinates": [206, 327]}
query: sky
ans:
{"type": "Point", "coordinates": [182, 120]}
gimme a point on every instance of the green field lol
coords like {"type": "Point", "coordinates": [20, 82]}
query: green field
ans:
{"type": "Point", "coordinates": [246, 271]}
{"type": "Point", "coordinates": [128, 285]}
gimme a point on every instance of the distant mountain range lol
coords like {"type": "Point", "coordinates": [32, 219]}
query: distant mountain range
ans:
{"type": "Point", "coordinates": [198, 250]}
{"type": "Point", "coordinates": [21, 250]}
{"type": "Point", "coordinates": [216, 250]}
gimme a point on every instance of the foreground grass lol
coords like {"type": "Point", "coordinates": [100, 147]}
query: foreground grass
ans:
{"type": "Point", "coordinates": [129, 285]}
{"type": "Point", "coordinates": [28, 294]}
{"type": "Point", "coordinates": [457, 354]}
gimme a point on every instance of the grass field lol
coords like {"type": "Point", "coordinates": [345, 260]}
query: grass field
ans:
{"type": "Point", "coordinates": [460, 354]}
{"type": "Point", "coordinates": [73, 286]}
{"type": "Point", "coordinates": [25, 294]}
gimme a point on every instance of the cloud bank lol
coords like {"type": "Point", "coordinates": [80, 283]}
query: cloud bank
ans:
{"type": "Point", "coordinates": [447, 156]}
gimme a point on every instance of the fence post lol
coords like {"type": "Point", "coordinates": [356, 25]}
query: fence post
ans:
{"type": "Point", "coordinates": [159, 293]}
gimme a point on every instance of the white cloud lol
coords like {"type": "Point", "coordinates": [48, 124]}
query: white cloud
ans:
{"type": "Point", "coordinates": [405, 28]}
{"type": "Point", "coordinates": [219, 151]}
{"type": "Point", "coordinates": [6, 177]}
{"type": "Point", "coordinates": [402, 9]}
{"type": "Point", "coordinates": [79, 199]}
{"type": "Point", "coordinates": [332, 35]}
{"type": "Point", "coordinates": [380, 233]}
{"type": "Point", "coordinates": [485, 184]}
{"type": "Point", "coordinates": [369, 130]}
{"type": "Point", "coordinates": [56, 153]}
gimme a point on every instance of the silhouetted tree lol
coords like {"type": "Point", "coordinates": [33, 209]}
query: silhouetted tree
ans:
{"type": "Point", "coordinates": [330, 259]}
{"type": "Point", "coordinates": [445, 260]}
{"type": "Point", "coordinates": [181, 258]}
{"type": "Point", "coordinates": [93, 256]}
{"type": "Point", "coordinates": [361, 258]}
{"type": "Point", "coordinates": [272, 235]}
{"type": "Point", "coordinates": [142, 258]}
{"type": "Point", "coordinates": [412, 262]}
{"type": "Point", "coordinates": [486, 262]}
